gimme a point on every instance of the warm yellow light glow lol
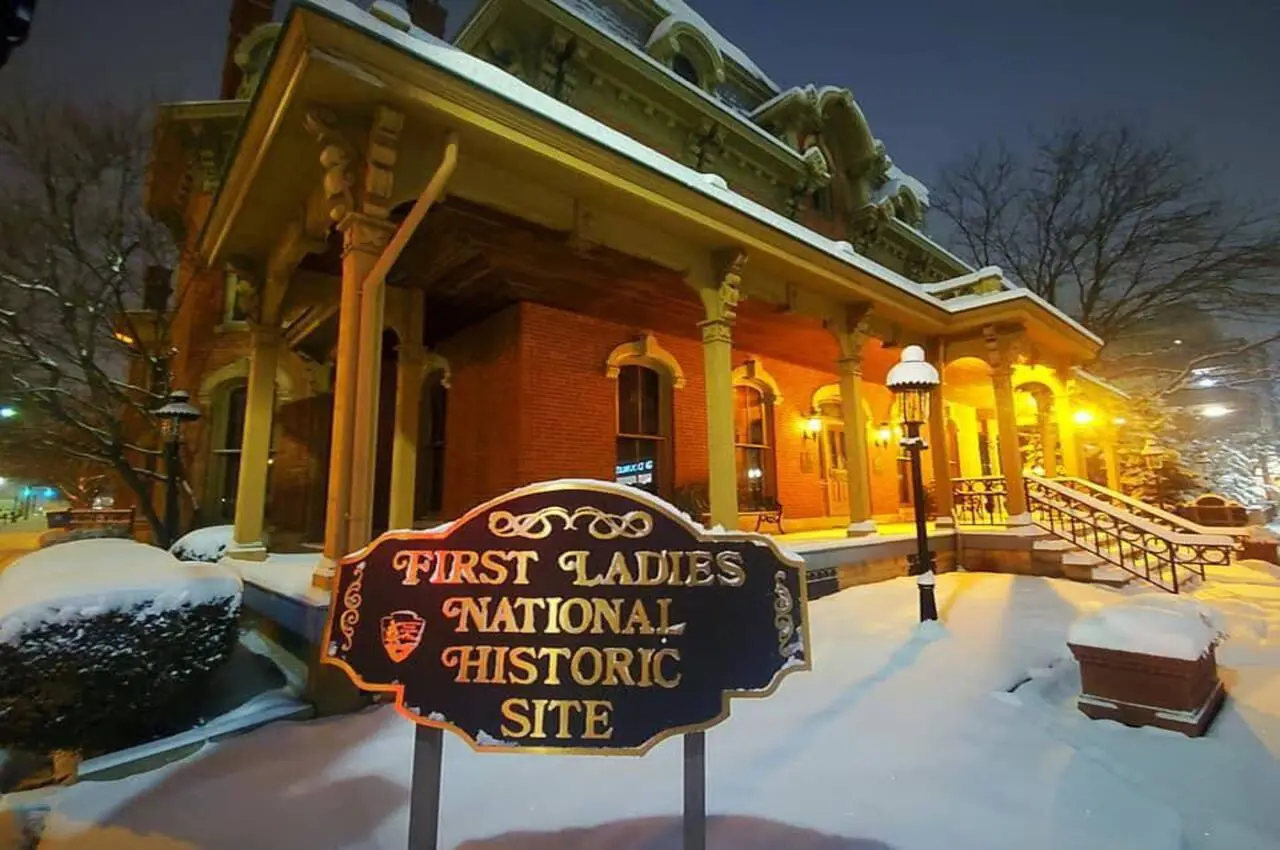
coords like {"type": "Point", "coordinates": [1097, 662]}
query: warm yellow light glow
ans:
{"type": "Point", "coordinates": [1119, 420]}
{"type": "Point", "coordinates": [124, 337]}
{"type": "Point", "coordinates": [813, 425]}
{"type": "Point", "coordinates": [1215, 411]}
{"type": "Point", "coordinates": [884, 433]}
{"type": "Point", "coordinates": [1082, 417]}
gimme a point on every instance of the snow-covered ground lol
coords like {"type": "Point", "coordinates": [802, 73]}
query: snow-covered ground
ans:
{"type": "Point", "coordinates": [965, 737]}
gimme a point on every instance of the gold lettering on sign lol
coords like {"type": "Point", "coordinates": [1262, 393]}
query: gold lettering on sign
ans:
{"type": "Point", "coordinates": [463, 566]}
{"type": "Point", "coordinates": [555, 615]}
{"type": "Point", "coordinates": [524, 718]}
{"type": "Point", "coordinates": [586, 666]}
{"type": "Point", "coordinates": [351, 608]}
{"type": "Point", "coordinates": [601, 525]}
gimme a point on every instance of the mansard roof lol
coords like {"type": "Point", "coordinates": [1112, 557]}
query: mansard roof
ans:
{"type": "Point", "coordinates": [769, 108]}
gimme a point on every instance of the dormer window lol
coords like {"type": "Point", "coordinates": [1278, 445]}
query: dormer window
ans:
{"type": "Point", "coordinates": [685, 68]}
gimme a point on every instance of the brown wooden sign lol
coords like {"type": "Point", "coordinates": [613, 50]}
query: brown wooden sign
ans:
{"type": "Point", "coordinates": [569, 617]}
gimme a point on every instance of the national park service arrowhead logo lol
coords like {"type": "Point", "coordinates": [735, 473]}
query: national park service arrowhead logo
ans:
{"type": "Point", "coordinates": [401, 634]}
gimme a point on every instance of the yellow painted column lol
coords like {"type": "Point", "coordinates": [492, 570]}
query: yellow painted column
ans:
{"type": "Point", "coordinates": [255, 446]}
{"type": "Point", "coordinates": [404, 450]}
{"type": "Point", "coordinates": [722, 482]}
{"type": "Point", "coordinates": [939, 448]}
{"type": "Point", "coordinates": [857, 458]}
{"type": "Point", "coordinates": [1072, 457]}
{"type": "Point", "coordinates": [364, 429]}
{"type": "Point", "coordinates": [363, 240]}
{"type": "Point", "coordinates": [1010, 454]}
{"type": "Point", "coordinates": [1048, 434]}
{"type": "Point", "coordinates": [718, 287]}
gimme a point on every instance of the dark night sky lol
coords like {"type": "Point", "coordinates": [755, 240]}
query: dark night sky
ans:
{"type": "Point", "coordinates": [934, 77]}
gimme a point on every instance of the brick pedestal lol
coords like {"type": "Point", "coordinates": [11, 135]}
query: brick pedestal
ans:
{"type": "Point", "coordinates": [1149, 690]}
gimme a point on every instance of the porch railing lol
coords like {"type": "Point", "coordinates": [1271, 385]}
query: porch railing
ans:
{"type": "Point", "coordinates": [1161, 556]}
{"type": "Point", "coordinates": [1151, 513]}
{"type": "Point", "coordinates": [980, 501]}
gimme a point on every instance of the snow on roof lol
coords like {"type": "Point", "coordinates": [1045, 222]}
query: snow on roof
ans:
{"type": "Point", "coordinates": [627, 35]}
{"type": "Point", "coordinates": [898, 179]}
{"type": "Point", "coordinates": [1086, 375]}
{"type": "Point", "coordinates": [969, 279]}
{"type": "Point", "coordinates": [88, 577]}
{"type": "Point", "coordinates": [681, 10]}
{"type": "Point", "coordinates": [1168, 626]}
{"type": "Point", "coordinates": [450, 59]}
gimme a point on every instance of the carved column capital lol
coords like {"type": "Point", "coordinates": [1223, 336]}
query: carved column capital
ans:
{"type": "Point", "coordinates": [1001, 348]}
{"type": "Point", "coordinates": [723, 292]}
{"type": "Point", "coordinates": [717, 330]}
{"type": "Point", "coordinates": [363, 233]}
{"type": "Point", "coordinates": [850, 324]}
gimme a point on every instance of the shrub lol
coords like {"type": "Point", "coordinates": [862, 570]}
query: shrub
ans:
{"type": "Point", "coordinates": [108, 643]}
{"type": "Point", "coordinates": [204, 544]}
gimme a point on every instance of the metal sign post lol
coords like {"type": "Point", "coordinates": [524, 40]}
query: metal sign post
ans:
{"type": "Point", "coordinates": [695, 791]}
{"type": "Point", "coordinates": [424, 789]}
{"type": "Point", "coordinates": [476, 627]}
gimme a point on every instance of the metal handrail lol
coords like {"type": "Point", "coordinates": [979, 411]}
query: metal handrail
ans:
{"type": "Point", "coordinates": [982, 500]}
{"type": "Point", "coordinates": [1151, 512]}
{"type": "Point", "coordinates": [1134, 544]}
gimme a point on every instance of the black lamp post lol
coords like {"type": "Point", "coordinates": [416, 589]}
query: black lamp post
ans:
{"type": "Point", "coordinates": [912, 379]}
{"type": "Point", "coordinates": [173, 414]}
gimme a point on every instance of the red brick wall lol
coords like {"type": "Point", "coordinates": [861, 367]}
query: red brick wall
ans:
{"type": "Point", "coordinates": [299, 473]}
{"type": "Point", "coordinates": [482, 430]}
{"type": "Point", "coordinates": [567, 411]}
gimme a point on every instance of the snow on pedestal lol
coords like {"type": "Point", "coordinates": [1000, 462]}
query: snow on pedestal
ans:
{"type": "Point", "coordinates": [1150, 662]}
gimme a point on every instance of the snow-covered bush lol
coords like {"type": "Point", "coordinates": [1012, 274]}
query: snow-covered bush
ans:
{"type": "Point", "coordinates": [204, 544]}
{"type": "Point", "coordinates": [108, 643]}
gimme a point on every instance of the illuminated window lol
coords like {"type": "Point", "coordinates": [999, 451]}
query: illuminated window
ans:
{"type": "Point", "coordinates": [684, 68]}
{"type": "Point", "coordinates": [753, 442]}
{"type": "Point", "coordinates": [644, 449]}
{"type": "Point", "coordinates": [232, 307]}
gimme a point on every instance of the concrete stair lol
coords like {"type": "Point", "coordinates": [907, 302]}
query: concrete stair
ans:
{"type": "Point", "coordinates": [1050, 555]}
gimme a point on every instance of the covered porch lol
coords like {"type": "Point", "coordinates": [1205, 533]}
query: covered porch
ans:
{"type": "Point", "coordinates": [512, 292]}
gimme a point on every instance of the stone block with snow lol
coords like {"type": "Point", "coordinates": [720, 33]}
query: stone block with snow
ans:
{"type": "Point", "coordinates": [1150, 662]}
{"type": "Point", "coordinates": [208, 545]}
{"type": "Point", "coordinates": [108, 643]}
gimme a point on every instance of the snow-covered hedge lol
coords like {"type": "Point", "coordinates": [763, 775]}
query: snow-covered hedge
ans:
{"type": "Point", "coordinates": [204, 544]}
{"type": "Point", "coordinates": [108, 643]}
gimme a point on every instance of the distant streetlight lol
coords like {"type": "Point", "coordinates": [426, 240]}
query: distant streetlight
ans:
{"type": "Point", "coordinates": [8, 412]}
{"type": "Point", "coordinates": [912, 379]}
{"type": "Point", "coordinates": [173, 414]}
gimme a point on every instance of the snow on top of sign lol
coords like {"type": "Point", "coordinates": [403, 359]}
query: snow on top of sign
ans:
{"type": "Point", "coordinates": [1171, 627]}
{"type": "Point", "coordinates": [89, 577]}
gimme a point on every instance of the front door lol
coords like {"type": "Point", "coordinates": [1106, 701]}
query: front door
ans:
{"type": "Point", "coordinates": [835, 478]}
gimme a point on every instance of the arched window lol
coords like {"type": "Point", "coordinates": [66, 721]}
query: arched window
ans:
{"type": "Point", "coordinates": [685, 68]}
{"type": "Point", "coordinates": [429, 501]}
{"type": "Point", "coordinates": [753, 442]}
{"type": "Point", "coordinates": [228, 439]}
{"type": "Point", "coordinates": [644, 445]}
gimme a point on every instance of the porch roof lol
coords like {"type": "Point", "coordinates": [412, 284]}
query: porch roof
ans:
{"type": "Point", "coordinates": [341, 38]}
